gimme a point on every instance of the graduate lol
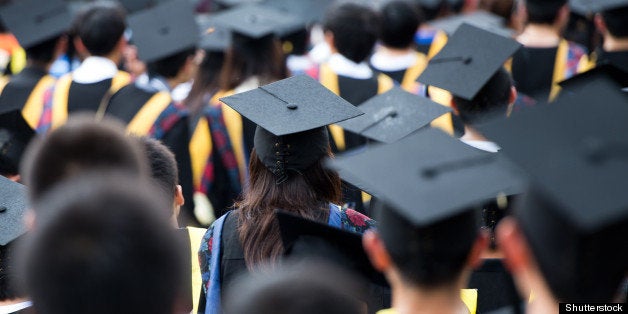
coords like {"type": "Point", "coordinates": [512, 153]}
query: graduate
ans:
{"type": "Point", "coordinates": [351, 31]}
{"type": "Point", "coordinates": [15, 135]}
{"type": "Point", "coordinates": [546, 58]}
{"type": "Point", "coordinates": [568, 148]}
{"type": "Point", "coordinates": [100, 30]}
{"type": "Point", "coordinates": [217, 179]}
{"type": "Point", "coordinates": [396, 56]}
{"type": "Point", "coordinates": [103, 244]}
{"type": "Point", "coordinates": [612, 21]}
{"type": "Point", "coordinates": [291, 142]}
{"type": "Point", "coordinates": [44, 41]}
{"type": "Point", "coordinates": [427, 240]}
{"type": "Point", "coordinates": [255, 58]}
{"type": "Point", "coordinates": [170, 51]}
{"type": "Point", "coordinates": [13, 199]}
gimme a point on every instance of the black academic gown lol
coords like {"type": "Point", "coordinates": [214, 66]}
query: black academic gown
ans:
{"type": "Point", "coordinates": [18, 90]}
{"type": "Point", "coordinates": [533, 70]}
{"type": "Point", "coordinates": [126, 103]}
{"type": "Point", "coordinates": [495, 286]}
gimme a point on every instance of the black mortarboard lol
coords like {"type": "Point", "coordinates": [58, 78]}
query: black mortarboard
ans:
{"type": "Point", "coordinates": [291, 115]}
{"type": "Point", "coordinates": [213, 37]}
{"type": "Point", "coordinates": [12, 208]}
{"type": "Point", "coordinates": [34, 21]}
{"type": "Point", "coordinates": [15, 134]}
{"type": "Point", "coordinates": [468, 60]}
{"type": "Point", "coordinates": [164, 30]}
{"type": "Point", "coordinates": [390, 116]}
{"type": "Point", "coordinates": [304, 238]}
{"type": "Point", "coordinates": [599, 5]}
{"type": "Point", "coordinates": [257, 21]}
{"type": "Point", "coordinates": [600, 72]}
{"type": "Point", "coordinates": [482, 19]}
{"type": "Point", "coordinates": [429, 176]}
{"type": "Point", "coordinates": [132, 6]}
{"type": "Point", "coordinates": [575, 217]}
{"type": "Point", "coordinates": [309, 11]}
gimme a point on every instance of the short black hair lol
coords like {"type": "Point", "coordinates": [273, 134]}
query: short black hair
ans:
{"type": "Point", "coordinates": [100, 26]}
{"type": "Point", "coordinates": [399, 23]}
{"type": "Point", "coordinates": [543, 11]}
{"type": "Point", "coordinates": [81, 145]}
{"type": "Point", "coordinates": [163, 166]}
{"type": "Point", "coordinates": [355, 28]}
{"type": "Point", "coordinates": [431, 256]}
{"type": "Point", "coordinates": [616, 21]}
{"type": "Point", "coordinates": [491, 101]}
{"type": "Point", "coordinates": [170, 66]}
{"type": "Point", "coordinates": [43, 52]}
{"type": "Point", "coordinates": [103, 245]}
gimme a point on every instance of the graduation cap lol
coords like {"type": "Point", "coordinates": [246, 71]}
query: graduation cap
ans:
{"type": "Point", "coordinates": [393, 115]}
{"type": "Point", "coordinates": [13, 202]}
{"type": "Point", "coordinates": [605, 71]}
{"type": "Point", "coordinates": [164, 30]}
{"type": "Point", "coordinates": [233, 3]}
{"type": "Point", "coordinates": [468, 60]}
{"type": "Point", "coordinates": [575, 216]}
{"type": "Point", "coordinates": [429, 175]}
{"type": "Point", "coordinates": [257, 21]}
{"type": "Point", "coordinates": [213, 37]}
{"type": "Point", "coordinates": [291, 115]}
{"type": "Point", "coordinates": [482, 19]}
{"type": "Point", "coordinates": [310, 11]}
{"type": "Point", "coordinates": [34, 21]}
{"type": "Point", "coordinates": [132, 6]}
{"type": "Point", "coordinates": [15, 134]}
{"type": "Point", "coordinates": [304, 238]}
{"type": "Point", "coordinates": [598, 5]}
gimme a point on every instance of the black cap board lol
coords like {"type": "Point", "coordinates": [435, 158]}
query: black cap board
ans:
{"type": "Point", "coordinates": [304, 238]}
{"type": "Point", "coordinates": [576, 214]}
{"type": "Point", "coordinates": [34, 21]}
{"type": "Point", "coordinates": [292, 105]}
{"type": "Point", "coordinates": [15, 134]}
{"type": "Point", "coordinates": [213, 37]}
{"type": "Point", "coordinates": [132, 6]}
{"type": "Point", "coordinates": [257, 21]}
{"type": "Point", "coordinates": [291, 115]}
{"type": "Point", "coordinates": [468, 60]}
{"type": "Point", "coordinates": [604, 71]}
{"type": "Point", "coordinates": [429, 176]}
{"type": "Point", "coordinates": [482, 19]}
{"type": "Point", "coordinates": [309, 11]}
{"type": "Point", "coordinates": [13, 202]}
{"type": "Point", "coordinates": [164, 30]}
{"type": "Point", "coordinates": [390, 116]}
{"type": "Point", "coordinates": [599, 5]}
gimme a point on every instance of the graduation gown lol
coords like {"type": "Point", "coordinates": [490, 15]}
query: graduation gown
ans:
{"type": "Point", "coordinates": [25, 92]}
{"type": "Point", "coordinates": [154, 114]}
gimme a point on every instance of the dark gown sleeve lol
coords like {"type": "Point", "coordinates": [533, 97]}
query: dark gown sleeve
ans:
{"type": "Point", "coordinates": [177, 139]}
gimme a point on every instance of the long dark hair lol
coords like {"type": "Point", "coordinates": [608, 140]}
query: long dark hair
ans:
{"type": "Point", "coordinates": [249, 57]}
{"type": "Point", "coordinates": [206, 81]}
{"type": "Point", "coordinates": [306, 194]}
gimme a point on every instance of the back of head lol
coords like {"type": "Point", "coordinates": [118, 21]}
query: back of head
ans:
{"type": "Point", "coordinates": [492, 100]}
{"type": "Point", "coordinates": [305, 288]}
{"type": "Point", "coordinates": [103, 245]}
{"type": "Point", "coordinates": [81, 145]}
{"type": "Point", "coordinates": [400, 21]}
{"type": "Point", "coordinates": [355, 29]}
{"type": "Point", "coordinates": [543, 11]}
{"type": "Point", "coordinates": [43, 52]}
{"type": "Point", "coordinates": [100, 26]}
{"type": "Point", "coordinates": [170, 66]}
{"type": "Point", "coordinates": [163, 166]}
{"type": "Point", "coordinates": [430, 256]}
{"type": "Point", "coordinates": [616, 21]}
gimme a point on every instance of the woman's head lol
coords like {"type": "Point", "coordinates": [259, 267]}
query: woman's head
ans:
{"type": "Point", "coordinates": [247, 57]}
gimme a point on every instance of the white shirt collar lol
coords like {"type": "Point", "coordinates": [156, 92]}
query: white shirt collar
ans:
{"type": "Point", "coordinates": [345, 67]}
{"type": "Point", "coordinates": [94, 69]}
{"type": "Point", "coordinates": [389, 63]}
{"type": "Point", "coordinates": [488, 146]}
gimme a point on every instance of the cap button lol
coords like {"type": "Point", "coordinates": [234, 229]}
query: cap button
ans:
{"type": "Point", "coordinates": [292, 107]}
{"type": "Point", "coordinates": [3, 209]}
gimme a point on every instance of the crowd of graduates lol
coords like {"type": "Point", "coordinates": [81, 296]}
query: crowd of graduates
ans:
{"type": "Point", "coordinates": [313, 156]}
